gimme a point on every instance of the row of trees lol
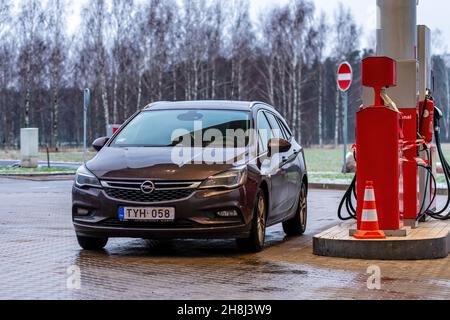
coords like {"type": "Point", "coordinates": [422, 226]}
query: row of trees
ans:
{"type": "Point", "coordinates": [130, 53]}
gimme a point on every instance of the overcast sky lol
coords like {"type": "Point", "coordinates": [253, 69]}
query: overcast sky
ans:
{"type": "Point", "coordinates": [434, 13]}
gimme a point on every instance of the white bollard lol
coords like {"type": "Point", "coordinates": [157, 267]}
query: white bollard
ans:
{"type": "Point", "coordinates": [29, 147]}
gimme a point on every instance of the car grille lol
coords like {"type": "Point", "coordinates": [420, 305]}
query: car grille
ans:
{"type": "Point", "coordinates": [164, 191]}
{"type": "Point", "coordinates": [156, 196]}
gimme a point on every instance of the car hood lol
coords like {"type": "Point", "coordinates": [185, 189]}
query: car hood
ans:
{"type": "Point", "coordinates": [156, 164]}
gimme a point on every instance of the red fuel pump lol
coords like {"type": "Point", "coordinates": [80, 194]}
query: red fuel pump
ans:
{"type": "Point", "coordinates": [379, 144]}
{"type": "Point", "coordinates": [426, 123]}
{"type": "Point", "coordinates": [393, 149]}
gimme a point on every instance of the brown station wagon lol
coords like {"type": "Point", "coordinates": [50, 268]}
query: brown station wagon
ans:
{"type": "Point", "coordinates": [193, 170]}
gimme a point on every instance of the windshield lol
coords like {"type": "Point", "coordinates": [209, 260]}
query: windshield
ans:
{"type": "Point", "coordinates": [169, 128]}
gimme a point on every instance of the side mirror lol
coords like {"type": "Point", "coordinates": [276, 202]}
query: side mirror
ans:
{"type": "Point", "coordinates": [278, 145]}
{"type": "Point", "coordinates": [100, 143]}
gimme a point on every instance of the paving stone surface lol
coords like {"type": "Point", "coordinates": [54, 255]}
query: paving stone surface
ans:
{"type": "Point", "coordinates": [40, 259]}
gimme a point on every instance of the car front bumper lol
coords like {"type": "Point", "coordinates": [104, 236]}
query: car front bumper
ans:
{"type": "Point", "coordinates": [195, 217]}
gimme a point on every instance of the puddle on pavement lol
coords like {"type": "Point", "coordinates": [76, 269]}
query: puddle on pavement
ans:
{"type": "Point", "coordinates": [269, 267]}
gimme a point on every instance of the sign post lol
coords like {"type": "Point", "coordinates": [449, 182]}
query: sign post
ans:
{"type": "Point", "coordinates": [87, 98]}
{"type": "Point", "coordinates": [344, 81]}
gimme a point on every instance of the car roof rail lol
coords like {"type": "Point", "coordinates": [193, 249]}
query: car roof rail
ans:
{"type": "Point", "coordinates": [254, 103]}
{"type": "Point", "coordinates": [149, 106]}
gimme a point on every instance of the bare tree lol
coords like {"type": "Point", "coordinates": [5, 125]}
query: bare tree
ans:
{"type": "Point", "coordinates": [124, 52]}
{"type": "Point", "coordinates": [241, 38]}
{"type": "Point", "coordinates": [319, 45]}
{"type": "Point", "coordinates": [287, 31]}
{"type": "Point", "coordinates": [32, 46]}
{"type": "Point", "coordinates": [130, 53]}
{"type": "Point", "coordinates": [56, 12]}
{"type": "Point", "coordinates": [346, 41]}
{"type": "Point", "coordinates": [215, 43]}
{"type": "Point", "coordinates": [6, 70]}
{"type": "Point", "coordinates": [94, 23]}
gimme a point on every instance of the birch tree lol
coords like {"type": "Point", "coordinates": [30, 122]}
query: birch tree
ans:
{"type": "Point", "coordinates": [319, 45]}
{"type": "Point", "coordinates": [131, 53]}
{"type": "Point", "coordinates": [56, 12]}
{"type": "Point", "coordinates": [346, 40]}
{"type": "Point", "coordinates": [6, 71]}
{"type": "Point", "coordinates": [31, 23]}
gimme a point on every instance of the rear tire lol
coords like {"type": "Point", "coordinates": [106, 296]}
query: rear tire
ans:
{"type": "Point", "coordinates": [92, 244]}
{"type": "Point", "coordinates": [255, 242]}
{"type": "Point", "coordinates": [297, 225]}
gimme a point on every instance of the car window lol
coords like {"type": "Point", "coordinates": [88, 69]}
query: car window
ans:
{"type": "Point", "coordinates": [264, 133]}
{"type": "Point", "coordinates": [277, 131]}
{"type": "Point", "coordinates": [167, 128]}
{"type": "Point", "coordinates": [285, 129]}
{"type": "Point", "coordinates": [286, 134]}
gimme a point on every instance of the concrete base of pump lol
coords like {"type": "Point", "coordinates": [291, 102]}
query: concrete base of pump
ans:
{"type": "Point", "coordinates": [431, 240]}
{"type": "Point", "coordinates": [412, 223]}
{"type": "Point", "coordinates": [403, 232]}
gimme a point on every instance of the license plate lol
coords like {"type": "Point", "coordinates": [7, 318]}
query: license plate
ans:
{"type": "Point", "coordinates": [146, 214]}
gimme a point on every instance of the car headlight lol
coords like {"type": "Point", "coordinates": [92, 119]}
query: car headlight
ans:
{"type": "Point", "coordinates": [229, 179]}
{"type": "Point", "coordinates": [84, 178]}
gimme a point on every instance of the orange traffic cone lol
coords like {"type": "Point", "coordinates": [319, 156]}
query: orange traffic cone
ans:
{"type": "Point", "coordinates": [369, 220]}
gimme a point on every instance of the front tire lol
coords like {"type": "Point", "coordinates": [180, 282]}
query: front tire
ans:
{"type": "Point", "coordinates": [255, 243]}
{"type": "Point", "coordinates": [92, 244]}
{"type": "Point", "coordinates": [297, 225]}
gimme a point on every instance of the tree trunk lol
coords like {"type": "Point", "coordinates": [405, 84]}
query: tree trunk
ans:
{"type": "Point", "coordinates": [213, 80]}
{"type": "Point", "coordinates": [55, 116]}
{"type": "Point", "coordinates": [195, 80]}
{"type": "Point", "coordinates": [271, 82]}
{"type": "Point", "coordinates": [139, 95]}
{"type": "Point", "coordinates": [104, 99]}
{"type": "Point", "coordinates": [125, 97]}
{"type": "Point", "coordinates": [174, 84]}
{"type": "Point", "coordinates": [160, 83]}
{"type": "Point", "coordinates": [298, 105]}
{"type": "Point", "coordinates": [320, 106]}
{"type": "Point", "coordinates": [28, 95]}
{"type": "Point", "coordinates": [115, 109]}
{"type": "Point", "coordinates": [293, 90]}
{"type": "Point", "coordinates": [285, 105]}
{"type": "Point", "coordinates": [336, 121]}
{"type": "Point", "coordinates": [240, 80]}
{"type": "Point", "coordinates": [232, 78]}
{"type": "Point", "coordinates": [187, 79]}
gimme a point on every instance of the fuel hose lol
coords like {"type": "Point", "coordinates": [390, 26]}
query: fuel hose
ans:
{"type": "Point", "coordinates": [347, 200]}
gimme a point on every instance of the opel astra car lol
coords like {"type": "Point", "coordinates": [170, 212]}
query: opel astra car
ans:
{"type": "Point", "coordinates": [147, 182]}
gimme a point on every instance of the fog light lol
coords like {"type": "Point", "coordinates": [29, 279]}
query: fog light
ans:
{"type": "Point", "coordinates": [82, 212]}
{"type": "Point", "coordinates": [227, 213]}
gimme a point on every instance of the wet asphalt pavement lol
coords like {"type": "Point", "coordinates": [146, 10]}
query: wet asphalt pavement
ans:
{"type": "Point", "coordinates": [40, 259]}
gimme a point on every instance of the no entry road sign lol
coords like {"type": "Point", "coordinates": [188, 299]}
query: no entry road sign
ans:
{"type": "Point", "coordinates": [344, 76]}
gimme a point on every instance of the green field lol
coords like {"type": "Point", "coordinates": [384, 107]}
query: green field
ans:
{"type": "Point", "coordinates": [69, 155]}
{"type": "Point", "coordinates": [10, 170]}
{"type": "Point", "coordinates": [327, 159]}
{"type": "Point", "coordinates": [324, 162]}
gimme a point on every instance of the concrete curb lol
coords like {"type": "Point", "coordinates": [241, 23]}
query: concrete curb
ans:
{"type": "Point", "coordinates": [328, 186]}
{"type": "Point", "coordinates": [343, 187]}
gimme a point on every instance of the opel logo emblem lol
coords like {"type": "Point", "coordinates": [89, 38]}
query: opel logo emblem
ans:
{"type": "Point", "coordinates": [147, 187]}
